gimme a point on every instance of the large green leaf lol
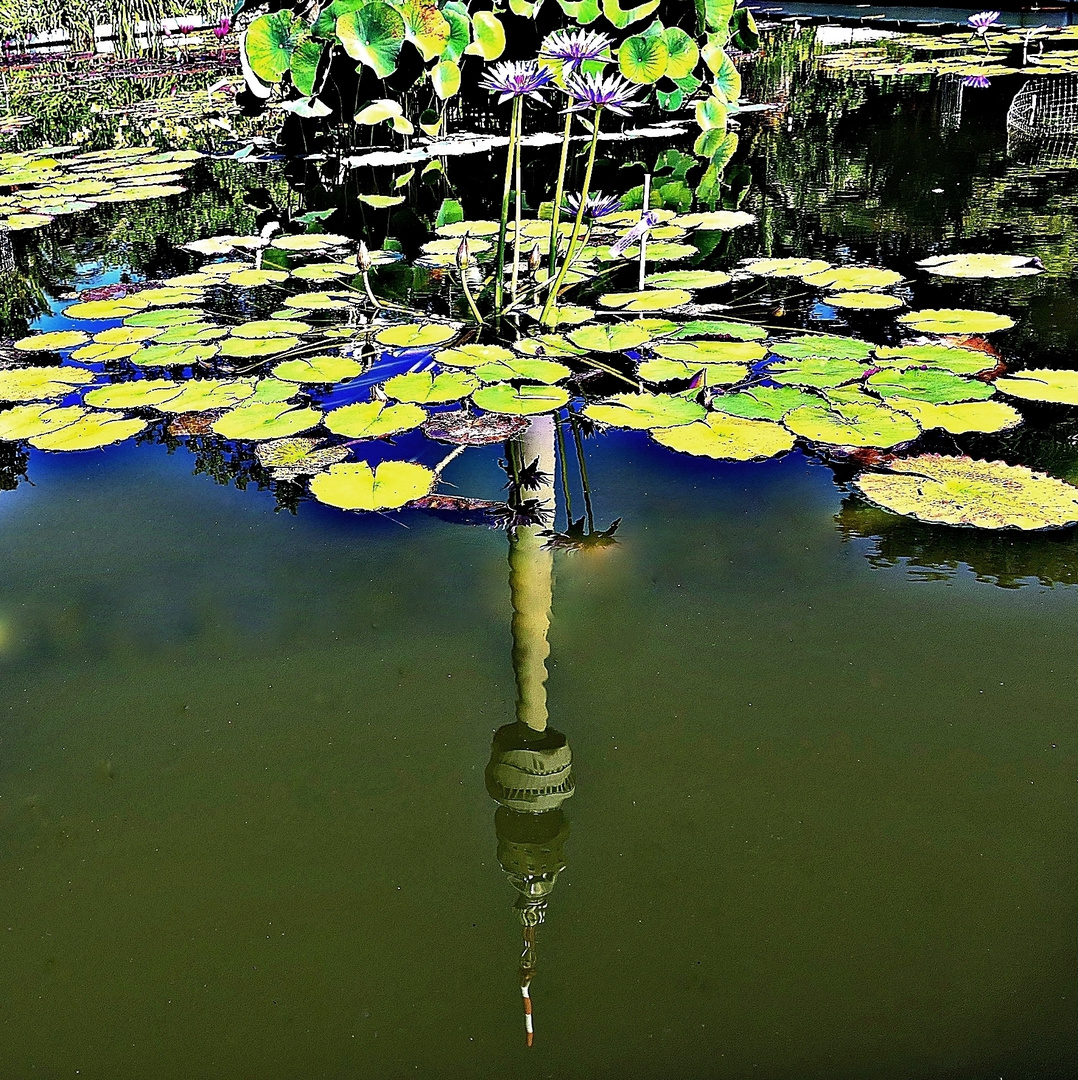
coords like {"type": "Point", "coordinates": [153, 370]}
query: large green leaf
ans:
{"type": "Point", "coordinates": [714, 15]}
{"type": "Point", "coordinates": [955, 321]}
{"type": "Point", "coordinates": [373, 36]}
{"type": "Point", "coordinates": [265, 420]}
{"type": "Point", "coordinates": [427, 28]}
{"type": "Point", "coordinates": [711, 352]}
{"type": "Point", "coordinates": [41, 383]}
{"type": "Point", "coordinates": [374, 419]}
{"type": "Point", "coordinates": [460, 32]}
{"type": "Point", "coordinates": [445, 78]}
{"type": "Point", "coordinates": [270, 41]}
{"type": "Point", "coordinates": [89, 432]}
{"type": "Point", "coordinates": [949, 357]}
{"type": "Point", "coordinates": [962, 491]}
{"type": "Point", "coordinates": [609, 337]}
{"type": "Point", "coordinates": [489, 36]}
{"type": "Point", "coordinates": [1042, 384]}
{"type": "Point", "coordinates": [625, 17]}
{"type": "Point", "coordinates": [357, 486]}
{"type": "Point", "coordinates": [729, 438]}
{"type": "Point", "coordinates": [763, 402]}
{"type": "Point", "coordinates": [29, 421]}
{"type": "Point", "coordinates": [415, 335]}
{"type": "Point", "coordinates": [818, 373]}
{"type": "Point", "coordinates": [822, 347]}
{"type": "Point", "coordinates": [719, 374]}
{"type": "Point", "coordinates": [304, 63]}
{"type": "Point", "coordinates": [852, 425]}
{"type": "Point", "coordinates": [643, 411]}
{"type": "Point", "coordinates": [727, 82]}
{"type": "Point", "coordinates": [682, 53]}
{"type": "Point", "coordinates": [642, 59]}
{"type": "Point", "coordinates": [965, 416]}
{"type": "Point", "coordinates": [427, 388]}
{"type": "Point", "coordinates": [928, 384]}
{"type": "Point", "coordinates": [531, 368]}
{"type": "Point", "coordinates": [528, 400]}
{"type": "Point", "coordinates": [318, 369]}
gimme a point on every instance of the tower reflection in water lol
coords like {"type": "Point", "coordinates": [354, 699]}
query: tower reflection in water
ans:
{"type": "Point", "coordinates": [530, 770]}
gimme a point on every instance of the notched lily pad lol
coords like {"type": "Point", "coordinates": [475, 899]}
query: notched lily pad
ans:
{"type": "Point", "coordinates": [643, 411]}
{"type": "Point", "coordinates": [729, 438]}
{"type": "Point", "coordinates": [982, 266]}
{"type": "Point", "coordinates": [1042, 384]}
{"type": "Point", "coordinates": [955, 321]}
{"type": "Point", "coordinates": [527, 400]}
{"type": "Point", "coordinates": [374, 419]}
{"type": "Point", "coordinates": [852, 425]}
{"type": "Point", "coordinates": [288, 459]}
{"type": "Point", "coordinates": [357, 486]}
{"type": "Point", "coordinates": [426, 387]}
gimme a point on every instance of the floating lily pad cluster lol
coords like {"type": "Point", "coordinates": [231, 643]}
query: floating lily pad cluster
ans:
{"type": "Point", "coordinates": [303, 378]}
{"type": "Point", "coordinates": [40, 185]}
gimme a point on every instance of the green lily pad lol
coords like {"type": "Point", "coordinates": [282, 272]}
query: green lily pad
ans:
{"type": "Point", "coordinates": [253, 278]}
{"type": "Point", "coordinates": [374, 419]}
{"type": "Point", "coordinates": [982, 266]}
{"type": "Point", "coordinates": [373, 35]}
{"type": "Point", "coordinates": [122, 335]}
{"type": "Point", "coordinates": [357, 486]}
{"type": "Point", "coordinates": [527, 400]}
{"type": "Point", "coordinates": [786, 267]}
{"type": "Point", "coordinates": [310, 241]}
{"type": "Point", "coordinates": [729, 438]}
{"type": "Point", "coordinates": [862, 301]}
{"type": "Point", "coordinates": [688, 279]}
{"type": "Point", "coordinates": [647, 300]}
{"type": "Point", "coordinates": [852, 425]}
{"type": "Point", "coordinates": [715, 220]}
{"type": "Point", "coordinates": [425, 387]}
{"type": "Point", "coordinates": [566, 315]}
{"type": "Point", "coordinates": [105, 309]}
{"type": "Point", "coordinates": [52, 341]}
{"type": "Point", "coordinates": [644, 411]}
{"type": "Point", "coordinates": [318, 369]}
{"type": "Point", "coordinates": [322, 301]}
{"type": "Point", "coordinates": [1042, 384]}
{"type": "Point", "coordinates": [763, 402]}
{"type": "Point", "coordinates": [203, 395]}
{"type": "Point", "coordinates": [288, 459]}
{"type": "Point", "coordinates": [852, 278]}
{"type": "Point", "coordinates": [172, 355]}
{"type": "Point", "coordinates": [657, 371]}
{"type": "Point", "coordinates": [415, 335]}
{"type": "Point", "coordinates": [962, 491]}
{"type": "Point", "coordinates": [822, 347]}
{"type": "Point", "coordinates": [949, 357]}
{"type": "Point", "coordinates": [700, 328]}
{"type": "Point", "coordinates": [711, 352]}
{"type": "Point", "coordinates": [928, 384]}
{"type": "Point", "coordinates": [99, 353]}
{"type": "Point", "coordinates": [471, 356]}
{"type": "Point", "coordinates": [325, 271]}
{"type": "Point", "coordinates": [955, 321]}
{"type": "Point", "coordinates": [89, 432]}
{"type": "Point", "coordinates": [29, 421]}
{"type": "Point", "coordinates": [818, 373]}
{"type": "Point", "coordinates": [164, 317]}
{"type": "Point", "coordinates": [265, 420]}
{"type": "Point", "coordinates": [187, 333]}
{"type": "Point", "coordinates": [133, 394]}
{"type": "Point", "coordinates": [41, 383]}
{"type": "Point", "coordinates": [381, 202]}
{"type": "Point", "coordinates": [246, 348]}
{"type": "Point", "coordinates": [987, 416]}
{"type": "Point", "coordinates": [271, 389]}
{"type": "Point", "coordinates": [608, 337]}
{"type": "Point", "coordinates": [531, 368]}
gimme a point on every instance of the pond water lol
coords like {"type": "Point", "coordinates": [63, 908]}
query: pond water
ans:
{"type": "Point", "coordinates": [824, 757]}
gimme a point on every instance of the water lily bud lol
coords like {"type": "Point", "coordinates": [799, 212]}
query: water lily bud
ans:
{"type": "Point", "coordinates": [363, 257]}
{"type": "Point", "coordinates": [463, 258]}
{"type": "Point", "coordinates": [535, 258]}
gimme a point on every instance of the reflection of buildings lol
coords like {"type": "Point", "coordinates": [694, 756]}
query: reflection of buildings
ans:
{"type": "Point", "coordinates": [1042, 123]}
{"type": "Point", "coordinates": [530, 769]}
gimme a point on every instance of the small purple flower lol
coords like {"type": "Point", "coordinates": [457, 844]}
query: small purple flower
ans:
{"type": "Point", "coordinates": [221, 30]}
{"type": "Point", "coordinates": [573, 47]}
{"type": "Point", "coordinates": [513, 79]}
{"type": "Point", "coordinates": [983, 20]}
{"type": "Point", "coordinates": [648, 220]}
{"type": "Point", "coordinates": [979, 82]}
{"type": "Point", "coordinates": [186, 28]}
{"type": "Point", "coordinates": [598, 205]}
{"type": "Point", "coordinates": [591, 91]}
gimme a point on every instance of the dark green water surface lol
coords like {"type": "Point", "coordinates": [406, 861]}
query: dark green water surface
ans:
{"type": "Point", "coordinates": [823, 826]}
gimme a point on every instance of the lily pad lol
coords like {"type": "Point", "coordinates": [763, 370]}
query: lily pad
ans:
{"type": "Point", "coordinates": [52, 341]}
{"type": "Point", "coordinates": [164, 317]}
{"type": "Point", "coordinates": [527, 400]}
{"type": "Point", "coordinates": [357, 486]}
{"type": "Point", "coordinates": [374, 419]}
{"type": "Point", "coordinates": [699, 328]}
{"type": "Point", "coordinates": [955, 321]}
{"type": "Point", "coordinates": [203, 395]}
{"type": "Point", "coordinates": [646, 300]}
{"type": "Point", "coordinates": [133, 394]}
{"type": "Point", "coordinates": [265, 420]}
{"type": "Point", "coordinates": [100, 353]}
{"type": "Point", "coordinates": [41, 383]}
{"type": "Point", "coordinates": [982, 266]}
{"type": "Point", "coordinates": [949, 357]}
{"type": "Point", "coordinates": [928, 384]}
{"type": "Point", "coordinates": [965, 492]}
{"type": "Point", "coordinates": [247, 348]}
{"type": "Point", "coordinates": [822, 347]}
{"type": "Point", "coordinates": [853, 278]}
{"type": "Point", "coordinates": [29, 421]}
{"type": "Point", "coordinates": [472, 356]}
{"type": "Point", "coordinates": [763, 402]}
{"type": "Point", "coordinates": [688, 279]}
{"type": "Point", "coordinates": [463, 428]}
{"type": "Point", "coordinates": [90, 432]}
{"type": "Point", "coordinates": [852, 425]}
{"type": "Point", "coordinates": [715, 220]}
{"type": "Point", "coordinates": [531, 368]}
{"type": "Point", "coordinates": [779, 268]}
{"type": "Point", "coordinates": [318, 369]}
{"type": "Point", "coordinates": [288, 459]}
{"type": "Point", "coordinates": [173, 355]}
{"type": "Point", "coordinates": [644, 411]}
{"type": "Point", "coordinates": [818, 373]}
{"type": "Point", "coordinates": [729, 438]}
{"type": "Point", "coordinates": [1042, 384]}
{"type": "Point", "coordinates": [105, 309]}
{"type": "Point", "coordinates": [862, 301]}
{"type": "Point", "coordinates": [425, 387]}
{"type": "Point", "coordinates": [658, 371]}
{"type": "Point", "coordinates": [415, 335]}
{"type": "Point", "coordinates": [608, 337]}
{"type": "Point", "coordinates": [310, 241]}
{"type": "Point", "coordinates": [987, 416]}
{"type": "Point", "coordinates": [711, 352]}
{"type": "Point", "coordinates": [253, 278]}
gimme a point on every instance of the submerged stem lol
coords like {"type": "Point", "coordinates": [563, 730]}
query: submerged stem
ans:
{"type": "Point", "coordinates": [552, 298]}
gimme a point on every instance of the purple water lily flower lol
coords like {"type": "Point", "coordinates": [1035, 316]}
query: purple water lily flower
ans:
{"type": "Point", "coordinates": [221, 30]}
{"type": "Point", "coordinates": [591, 91]}
{"type": "Point", "coordinates": [648, 220]}
{"type": "Point", "coordinates": [598, 205]}
{"type": "Point", "coordinates": [573, 47]}
{"type": "Point", "coordinates": [513, 79]}
{"type": "Point", "coordinates": [979, 82]}
{"type": "Point", "coordinates": [983, 20]}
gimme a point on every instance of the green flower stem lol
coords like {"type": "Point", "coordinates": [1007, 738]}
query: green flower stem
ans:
{"type": "Point", "coordinates": [370, 294]}
{"type": "Point", "coordinates": [552, 297]}
{"type": "Point", "coordinates": [559, 191]}
{"type": "Point", "coordinates": [516, 234]}
{"type": "Point", "coordinates": [468, 295]}
{"type": "Point", "coordinates": [499, 273]}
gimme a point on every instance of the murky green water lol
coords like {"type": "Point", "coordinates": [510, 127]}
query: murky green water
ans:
{"type": "Point", "coordinates": [824, 817]}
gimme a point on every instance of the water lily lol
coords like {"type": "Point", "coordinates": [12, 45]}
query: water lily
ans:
{"type": "Point", "coordinates": [222, 29]}
{"type": "Point", "coordinates": [517, 79]}
{"type": "Point", "coordinates": [573, 47]}
{"type": "Point", "coordinates": [982, 20]}
{"type": "Point", "coordinates": [591, 91]}
{"type": "Point", "coordinates": [598, 205]}
{"type": "Point", "coordinates": [979, 82]}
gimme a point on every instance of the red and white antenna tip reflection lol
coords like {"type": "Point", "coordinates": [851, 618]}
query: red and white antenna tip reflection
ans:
{"type": "Point", "coordinates": [529, 1026]}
